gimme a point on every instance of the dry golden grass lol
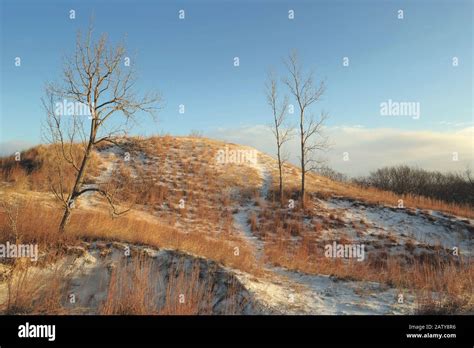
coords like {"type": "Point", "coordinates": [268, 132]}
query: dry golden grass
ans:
{"type": "Point", "coordinates": [37, 223]}
{"type": "Point", "coordinates": [194, 157]}
{"type": "Point", "coordinates": [174, 168]}
{"type": "Point", "coordinates": [324, 186]}
{"type": "Point", "coordinates": [188, 294]}
{"type": "Point", "coordinates": [453, 281]}
{"type": "Point", "coordinates": [28, 219]}
{"type": "Point", "coordinates": [89, 225]}
{"type": "Point", "coordinates": [38, 167]}
{"type": "Point", "coordinates": [424, 274]}
{"type": "Point", "coordinates": [131, 290]}
{"type": "Point", "coordinates": [30, 291]}
{"type": "Point", "coordinates": [136, 289]}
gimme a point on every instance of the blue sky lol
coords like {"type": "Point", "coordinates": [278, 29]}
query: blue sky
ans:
{"type": "Point", "coordinates": [191, 61]}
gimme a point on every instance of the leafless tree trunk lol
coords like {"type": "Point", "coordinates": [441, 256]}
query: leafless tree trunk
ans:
{"type": "Point", "coordinates": [281, 131]}
{"type": "Point", "coordinates": [97, 78]}
{"type": "Point", "coordinates": [306, 92]}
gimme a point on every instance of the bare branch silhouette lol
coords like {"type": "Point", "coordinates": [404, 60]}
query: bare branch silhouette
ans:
{"type": "Point", "coordinates": [281, 131]}
{"type": "Point", "coordinates": [306, 92]}
{"type": "Point", "coordinates": [95, 78]}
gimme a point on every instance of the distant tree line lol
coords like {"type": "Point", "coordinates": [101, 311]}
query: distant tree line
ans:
{"type": "Point", "coordinates": [403, 179]}
{"type": "Point", "coordinates": [332, 174]}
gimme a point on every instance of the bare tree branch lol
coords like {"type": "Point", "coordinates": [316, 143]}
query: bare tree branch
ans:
{"type": "Point", "coordinates": [306, 92]}
{"type": "Point", "coordinates": [282, 134]}
{"type": "Point", "coordinates": [95, 78]}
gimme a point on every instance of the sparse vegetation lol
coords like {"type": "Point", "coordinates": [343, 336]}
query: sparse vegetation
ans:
{"type": "Point", "coordinates": [164, 172]}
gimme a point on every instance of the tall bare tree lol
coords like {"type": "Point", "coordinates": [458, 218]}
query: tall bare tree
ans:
{"type": "Point", "coordinates": [306, 91]}
{"type": "Point", "coordinates": [99, 77]}
{"type": "Point", "coordinates": [280, 129]}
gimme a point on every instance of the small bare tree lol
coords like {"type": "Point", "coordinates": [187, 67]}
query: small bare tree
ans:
{"type": "Point", "coordinates": [312, 139]}
{"type": "Point", "coordinates": [99, 78]}
{"type": "Point", "coordinates": [280, 130]}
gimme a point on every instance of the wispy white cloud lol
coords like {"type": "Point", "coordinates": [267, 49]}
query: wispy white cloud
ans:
{"type": "Point", "coordinates": [372, 148]}
{"type": "Point", "coordinates": [456, 124]}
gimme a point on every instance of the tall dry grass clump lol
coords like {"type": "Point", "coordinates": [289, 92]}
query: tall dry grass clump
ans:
{"type": "Point", "coordinates": [131, 289]}
{"type": "Point", "coordinates": [138, 287]}
{"type": "Point", "coordinates": [31, 290]}
{"type": "Point", "coordinates": [30, 221]}
{"type": "Point", "coordinates": [187, 293]}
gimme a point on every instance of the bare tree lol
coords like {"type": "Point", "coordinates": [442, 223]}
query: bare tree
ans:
{"type": "Point", "coordinates": [312, 139]}
{"type": "Point", "coordinates": [280, 130]}
{"type": "Point", "coordinates": [97, 78]}
{"type": "Point", "coordinates": [455, 187]}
